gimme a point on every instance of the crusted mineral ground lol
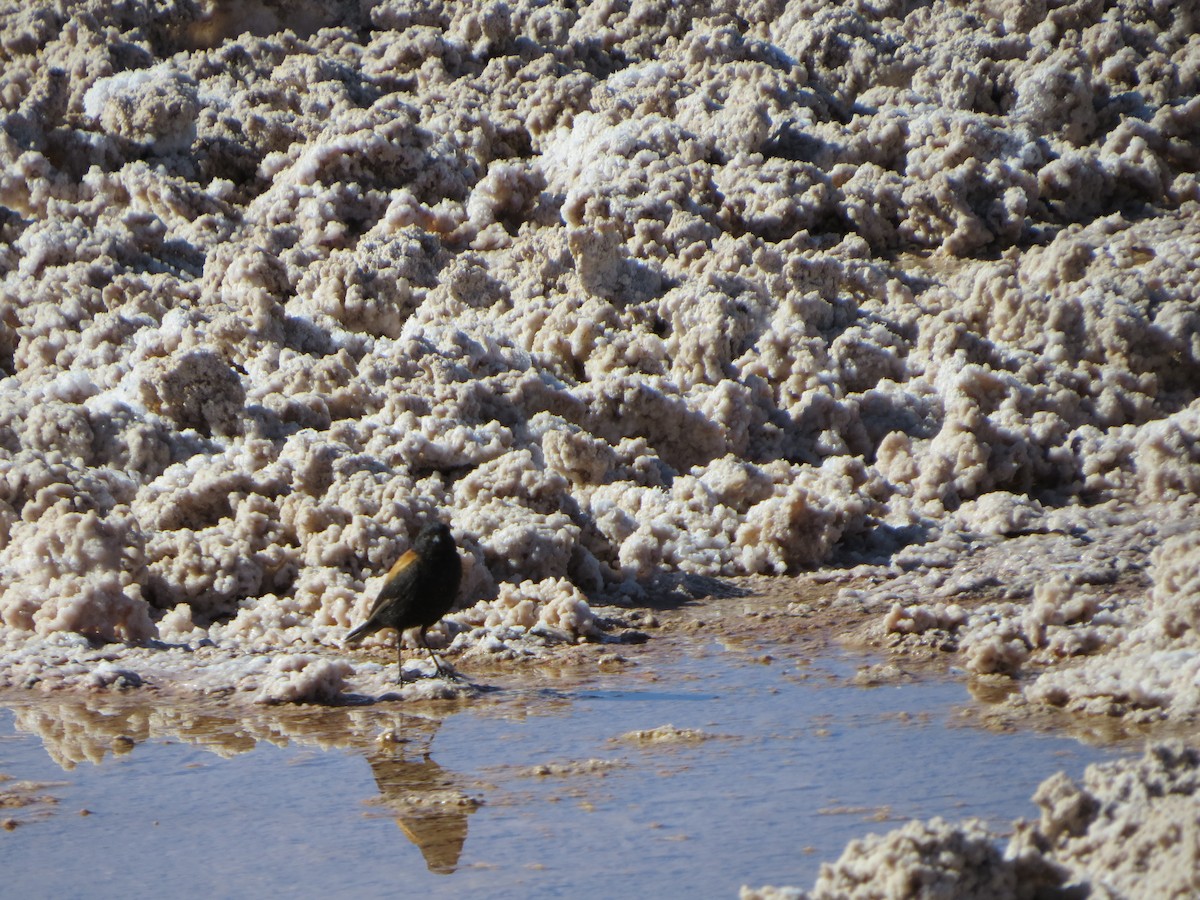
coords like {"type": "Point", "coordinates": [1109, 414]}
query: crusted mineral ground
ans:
{"type": "Point", "coordinates": [1129, 830]}
{"type": "Point", "coordinates": [901, 296]}
{"type": "Point", "coordinates": [621, 292]}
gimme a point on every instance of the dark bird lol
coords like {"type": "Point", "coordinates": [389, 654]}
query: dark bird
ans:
{"type": "Point", "coordinates": [419, 590]}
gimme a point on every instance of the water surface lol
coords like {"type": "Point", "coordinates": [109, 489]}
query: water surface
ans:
{"type": "Point", "coordinates": [533, 792]}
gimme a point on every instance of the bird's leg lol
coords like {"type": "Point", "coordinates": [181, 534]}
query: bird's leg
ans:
{"type": "Point", "coordinates": [442, 668]}
{"type": "Point", "coordinates": [400, 657]}
{"type": "Point", "coordinates": [437, 663]}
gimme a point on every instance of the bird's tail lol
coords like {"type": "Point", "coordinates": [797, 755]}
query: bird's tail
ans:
{"type": "Point", "coordinates": [359, 633]}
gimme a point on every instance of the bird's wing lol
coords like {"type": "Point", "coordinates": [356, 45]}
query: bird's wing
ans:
{"type": "Point", "coordinates": [399, 577]}
{"type": "Point", "coordinates": [408, 559]}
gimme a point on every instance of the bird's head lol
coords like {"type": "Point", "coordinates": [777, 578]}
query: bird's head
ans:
{"type": "Point", "coordinates": [433, 537]}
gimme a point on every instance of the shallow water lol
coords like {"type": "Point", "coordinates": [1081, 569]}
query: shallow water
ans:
{"type": "Point", "coordinates": [797, 762]}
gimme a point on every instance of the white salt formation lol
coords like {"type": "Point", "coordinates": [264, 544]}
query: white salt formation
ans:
{"type": "Point", "coordinates": [729, 288]}
{"type": "Point", "coordinates": [1132, 829]}
{"type": "Point", "coordinates": [1154, 671]}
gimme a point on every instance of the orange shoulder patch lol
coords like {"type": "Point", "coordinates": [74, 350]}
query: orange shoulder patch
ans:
{"type": "Point", "coordinates": [402, 563]}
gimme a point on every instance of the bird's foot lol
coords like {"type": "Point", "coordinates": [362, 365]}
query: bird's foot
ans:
{"type": "Point", "coordinates": [447, 672]}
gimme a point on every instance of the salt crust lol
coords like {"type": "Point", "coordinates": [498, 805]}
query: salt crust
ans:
{"type": "Point", "coordinates": [300, 677]}
{"type": "Point", "coordinates": [1154, 671]}
{"type": "Point", "coordinates": [605, 287]}
{"type": "Point", "coordinates": [666, 734]}
{"type": "Point", "coordinates": [1091, 637]}
{"type": "Point", "coordinates": [1129, 830]}
{"type": "Point", "coordinates": [238, 672]}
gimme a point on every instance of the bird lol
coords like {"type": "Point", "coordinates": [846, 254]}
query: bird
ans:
{"type": "Point", "coordinates": [420, 589]}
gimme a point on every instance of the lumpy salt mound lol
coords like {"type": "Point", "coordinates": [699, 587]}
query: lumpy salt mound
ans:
{"type": "Point", "coordinates": [665, 734]}
{"type": "Point", "coordinates": [1129, 830]}
{"type": "Point", "coordinates": [301, 678]}
{"type": "Point", "coordinates": [735, 288]}
{"type": "Point", "coordinates": [1152, 673]}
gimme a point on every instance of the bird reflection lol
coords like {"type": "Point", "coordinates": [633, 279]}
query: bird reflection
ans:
{"type": "Point", "coordinates": [429, 805]}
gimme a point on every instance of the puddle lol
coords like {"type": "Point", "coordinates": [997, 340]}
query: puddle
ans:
{"type": "Point", "coordinates": [770, 770]}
